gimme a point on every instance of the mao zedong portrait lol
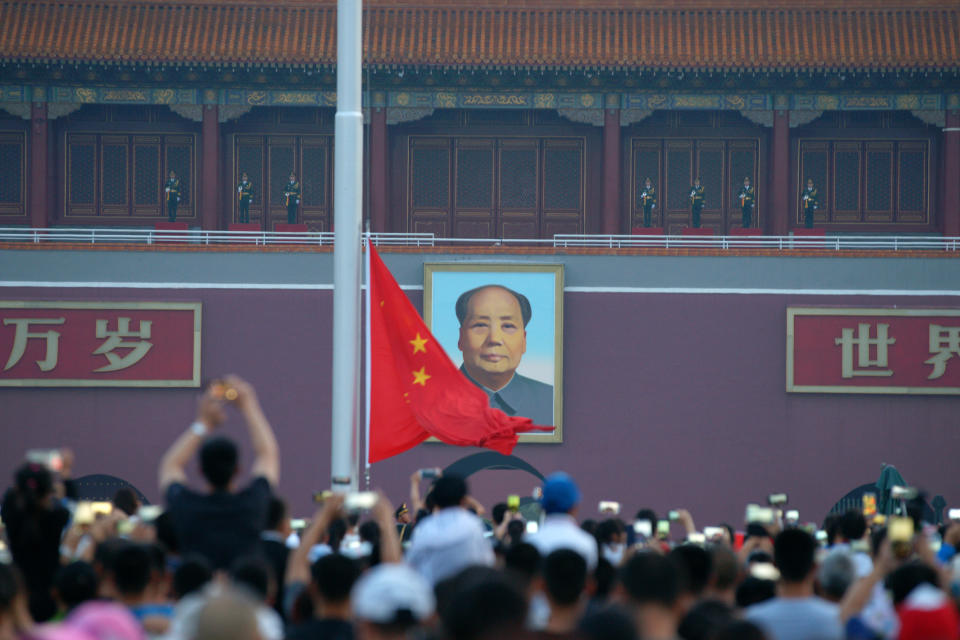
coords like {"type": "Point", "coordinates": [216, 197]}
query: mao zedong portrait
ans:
{"type": "Point", "coordinates": [493, 339]}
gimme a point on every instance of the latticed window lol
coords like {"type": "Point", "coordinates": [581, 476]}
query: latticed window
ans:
{"type": "Point", "coordinates": [846, 184]}
{"type": "Point", "coordinates": [250, 161]}
{"type": "Point", "coordinates": [11, 172]}
{"type": "Point", "coordinates": [83, 157]}
{"type": "Point", "coordinates": [879, 180]}
{"type": "Point", "coordinates": [475, 177]}
{"type": "Point", "coordinates": [563, 174]}
{"type": "Point", "coordinates": [518, 178]}
{"type": "Point", "coordinates": [281, 164]}
{"type": "Point", "coordinates": [679, 170]}
{"type": "Point", "coordinates": [911, 173]}
{"type": "Point", "coordinates": [314, 178]}
{"type": "Point", "coordinates": [146, 174]}
{"type": "Point", "coordinates": [520, 187]}
{"type": "Point", "coordinates": [115, 174]}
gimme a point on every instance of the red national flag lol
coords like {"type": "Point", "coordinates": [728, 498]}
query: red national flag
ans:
{"type": "Point", "coordinates": [416, 391]}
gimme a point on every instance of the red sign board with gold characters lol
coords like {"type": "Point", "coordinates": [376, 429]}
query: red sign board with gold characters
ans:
{"type": "Point", "coordinates": [852, 350]}
{"type": "Point", "coordinates": [99, 344]}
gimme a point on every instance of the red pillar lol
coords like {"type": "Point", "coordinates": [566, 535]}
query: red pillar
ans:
{"type": "Point", "coordinates": [209, 168]}
{"type": "Point", "coordinates": [779, 176]}
{"type": "Point", "coordinates": [38, 165]}
{"type": "Point", "coordinates": [378, 169]}
{"type": "Point", "coordinates": [951, 178]}
{"type": "Point", "coordinates": [610, 223]}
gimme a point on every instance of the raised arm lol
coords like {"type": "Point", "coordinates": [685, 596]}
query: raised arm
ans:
{"type": "Point", "coordinates": [390, 547]}
{"type": "Point", "coordinates": [209, 416]}
{"type": "Point", "coordinates": [298, 564]}
{"type": "Point", "coordinates": [266, 461]}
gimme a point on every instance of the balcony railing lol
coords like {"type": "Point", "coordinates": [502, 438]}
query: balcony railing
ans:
{"type": "Point", "coordinates": [200, 237]}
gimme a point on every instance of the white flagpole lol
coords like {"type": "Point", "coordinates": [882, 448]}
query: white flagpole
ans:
{"type": "Point", "coordinates": [348, 212]}
{"type": "Point", "coordinates": [368, 372]}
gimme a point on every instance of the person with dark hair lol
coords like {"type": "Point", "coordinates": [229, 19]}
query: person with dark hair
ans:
{"type": "Point", "coordinates": [331, 579]}
{"type": "Point", "coordinates": [35, 520]}
{"type": "Point", "coordinates": [484, 605]}
{"type": "Point", "coordinates": [132, 572]}
{"type": "Point", "coordinates": [924, 610]}
{"type": "Point", "coordinates": [695, 564]}
{"type": "Point", "coordinates": [608, 623]}
{"type": "Point", "coordinates": [831, 526]}
{"type": "Point", "coordinates": [254, 575]}
{"type": "Point", "coordinates": [704, 619]}
{"type": "Point", "coordinates": [724, 574]}
{"type": "Point", "coordinates": [193, 574]}
{"type": "Point", "coordinates": [390, 601]}
{"type": "Point", "coordinates": [612, 537]}
{"type": "Point", "coordinates": [796, 613]}
{"type": "Point", "coordinates": [403, 519]}
{"type": "Point", "coordinates": [564, 578]}
{"type": "Point", "coordinates": [651, 585]}
{"type": "Point", "coordinates": [273, 546]}
{"type": "Point", "coordinates": [754, 590]}
{"type": "Point", "coordinates": [740, 630]}
{"type": "Point", "coordinates": [75, 584]}
{"type": "Point", "coordinates": [851, 537]}
{"type": "Point", "coordinates": [522, 561]}
{"type": "Point", "coordinates": [126, 500]}
{"type": "Point", "coordinates": [493, 338]}
{"type": "Point", "coordinates": [450, 539]}
{"type": "Point", "coordinates": [221, 524]}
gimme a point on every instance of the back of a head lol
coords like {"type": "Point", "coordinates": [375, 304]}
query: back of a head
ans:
{"type": "Point", "coordinates": [609, 530]}
{"type": "Point", "coordinates": [565, 576]}
{"type": "Point", "coordinates": [835, 575]}
{"type": "Point", "coordinates": [704, 620]}
{"type": "Point", "coordinates": [740, 630]}
{"type": "Point", "coordinates": [333, 576]}
{"type": "Point", "coordinates": [853, 525]}
{"type": "Point", "coordinates": [695, 564]}
{"type": "Point", "coordinates": [908, 577]}
{"type": "Point", "coordinates": [491, 607]}
{"type": "Point", "coordinates": [523, 561]}
{"type": "Point", "coordinates": [254, 574]}
{"type": "Point", "coordinates": [649, 515]}
{"type": "Point", "coordinates": [227, 616]}
{"type": "Point", "coordinates": [755, 590]}
{"type": "Point", "coordinates": [394, 598]}
{"type": "Point", "coordinates": [498, 511]}
{"type": "Point", "coordinates": [726, 568]}
{"type": "Point", "coordinates": [831, 526]}
{"type": "Point", "coordinates": [608, 623]}
{"type": "Point", "coordinates": [794, 554]}
{"type": "Point", "coordinates": [34, 482]}
{"type": "Point", "coordinates": [76, 583]}
{"type": "Point", "coordinates": [132, 569]}
{"type": "Point", "coordinates": [449, 491]}
{"type": "Point", "coordinates": [276, 513]}
{"type": "Point", "coordinates": [650, 578]}
{"type": "Point", "coordinates": [192, 575]}
{"type": "Point", "coordinates": [126, 500]}
{"type": "Point", "coordinates": [218, 461]}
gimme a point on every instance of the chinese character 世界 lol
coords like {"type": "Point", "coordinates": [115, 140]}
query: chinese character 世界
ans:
{"type": "Point", "coordinates": [23, 334]}
{"type": "Point", "coordinates": [944, 343]}
{"type": "Point", "coordinates": [866, 365]}
{"type": "Point", "coordinates": [115, 341]}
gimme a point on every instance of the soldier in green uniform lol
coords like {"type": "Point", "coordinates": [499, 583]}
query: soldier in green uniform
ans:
{"type": "Point", "coordinates": [696, 202]}
{"type": "Point", "coordinates": [244, 197]}
{"type": "Point", "coordinates": [648, 200]}
{"type": "Point", "coordinates": [172, 195]}
{"type": "Point", "coordinates": [810, 203]}
{"type": "Point", "coordinates": [746, 196]}
{"type": "Point", "coordinates": [291, 192]}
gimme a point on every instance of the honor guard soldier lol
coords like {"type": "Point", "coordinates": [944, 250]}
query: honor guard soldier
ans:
{"type": "Point", "coordinates": [292, 194]}
{"type": "Point", "coordinates": [696, 202]}
{"type": "Point", "coordinates": [244, 197]}
{"type": "Point", "coordinates": [810, 204]}
{"type": "Point", "coordinates": [746, 198]}
{"type": "Point", "coordinates": [648, 200]}
{"type": "Point", "coordinates": [172, 195]}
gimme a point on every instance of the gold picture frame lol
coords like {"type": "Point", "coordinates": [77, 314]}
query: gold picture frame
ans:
{"type": "Point", "coordinates": [542, 364]}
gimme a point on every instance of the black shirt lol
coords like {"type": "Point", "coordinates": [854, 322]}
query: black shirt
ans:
{"type": "Point", "coordinates": [221, 526]}
{"type": "Point", "coordinates": [322, 629]}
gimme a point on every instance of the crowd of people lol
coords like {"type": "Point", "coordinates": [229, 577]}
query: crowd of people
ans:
{"type": "Point", "coordinates": [226, 562]}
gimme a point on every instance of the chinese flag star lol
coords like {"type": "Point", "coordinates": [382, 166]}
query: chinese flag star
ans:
{"type": "Point", "coordinates": [450, 408]}
{"type": "Point", "coordinates": [421, 377]}
{"type": "Point", "coordinates": [419, 344]}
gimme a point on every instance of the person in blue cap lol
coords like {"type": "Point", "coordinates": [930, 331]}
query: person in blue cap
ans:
{"type": "Point", "coordinates": [560, 529]}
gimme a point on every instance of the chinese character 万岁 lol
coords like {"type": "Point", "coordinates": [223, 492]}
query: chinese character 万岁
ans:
{"type": "Point", "coordinates": [23, 334]}
{"type": "Point", "coordinates": [114, 340]}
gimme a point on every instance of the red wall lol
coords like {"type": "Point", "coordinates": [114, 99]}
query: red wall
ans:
{"type": "Point", "coordinates": [671, 400]}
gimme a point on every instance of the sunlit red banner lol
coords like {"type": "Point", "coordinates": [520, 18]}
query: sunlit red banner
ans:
{"type": "Point", "coordinates": [853, 350]}
{"type": "Point", "coordinates": [99, 344]}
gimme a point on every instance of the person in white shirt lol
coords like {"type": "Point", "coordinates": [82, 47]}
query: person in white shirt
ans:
{"type": "Point", "coordinates": [452, 538]}
{"type": "Point", "coordinates": [560, 530]}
